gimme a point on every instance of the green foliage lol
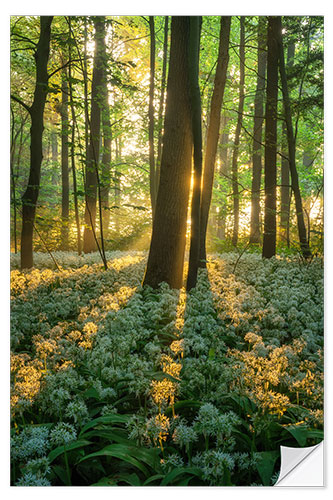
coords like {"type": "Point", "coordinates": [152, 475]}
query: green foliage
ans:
{"type": "Point", "coordinates": [99, 377]}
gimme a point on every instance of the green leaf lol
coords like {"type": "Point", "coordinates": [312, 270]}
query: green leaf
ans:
{"type": "Point", "coordinates": [130, 454]}
{"type": "Point", "coordinates": [152, 479]}
{"type": "Point", "coordinates": [302, 433]}
{"type": "Point", "coordinates": [211, 353]}
{"type": "Point", "coordinates": [131, 479]}
{"type": "Point", "coordinates": [107, 419]}
{"type": "Point", "coordinates": [110, 451]}
{"type": "Point", "coordinates": [69, 447]}
{"type": "Point", "coordinates": [113, 434]}
{"type": "Point", "coordinates": [265, 467]}
{"type": "Point", "coordinates": [105, 481]}
{"type": "Point", "coordinates": [180, 471]}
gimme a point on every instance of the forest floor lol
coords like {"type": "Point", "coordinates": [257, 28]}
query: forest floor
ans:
{"type": "Point", "coordinates": [113, 384]}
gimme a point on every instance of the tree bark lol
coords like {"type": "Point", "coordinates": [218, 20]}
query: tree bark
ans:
{"type": "Point", "coordinates": [161, 103]}
{"type": "Point", "coordinates": [257, 132]}
{"type": "Point", "coordinates": [106, 157]}
{"type": "Point", "coordinates": [269, 241]}
{"type": "Point", "coordinates": [224, 173]}
{"type": "Point", "coordinates": [64, 237]}
{"type": "Point", "coordinates": [76, 205]}
{"type": "Point", "coordinates": [30, 196]}
{"type": "Point", "coordinates": [167, 248]}
{"type": "Point", "coordinates": [194, 49]}
{"type": "Point", "coordinates": [304, 244]}
{"type": "Point", "coordinates": [151, 120]}
{"type": "Point", "coordinates": [285, 172]}
{"type": "Point", "coordinates": [234, 168]}
{"type": "Point", "coordinates": [89, 237]}
{"type": "Point", "coordinates": [213, 133]}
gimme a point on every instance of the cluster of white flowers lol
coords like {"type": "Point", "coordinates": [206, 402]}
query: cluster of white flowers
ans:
{"type": "Point", "coordinates": [255, 329]}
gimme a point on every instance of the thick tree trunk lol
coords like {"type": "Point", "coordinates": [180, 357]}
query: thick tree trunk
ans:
{"type": "Point", "coordinates": [30, 196]}
{"type": "Point", "coordinates": [166, 255]}
{"type": "Point", "coordinates": [64, 243]}
{"type": "Point", "coordinates": [285, 171]}
{"type": "Point", "coordinates": [269, 242]}
{"type": "Point", "coordinates": [213, 132]}
{"type": "Point", "coordinates": [304, 244]}
{"type": "Point", "coordinates": [257, 132]}
{"type": "Point", "coordinates": [151, 120]}
{"type": "Point", "coordinates": [89, 237]}
{"type": "Point", "coordinates": [234, 167]}
{"type": "Point", "coordinates": [195, 28]}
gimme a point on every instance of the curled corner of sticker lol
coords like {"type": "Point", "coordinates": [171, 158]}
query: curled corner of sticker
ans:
{"type": "Point", "coordinates": [302, 466]}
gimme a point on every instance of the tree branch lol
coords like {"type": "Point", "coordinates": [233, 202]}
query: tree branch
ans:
{"type": "Point", "coordinates": [17, 99]}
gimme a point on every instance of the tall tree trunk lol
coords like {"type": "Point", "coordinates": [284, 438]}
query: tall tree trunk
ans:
{"type": "Point", "coordinates": [64, 164]}
{"type": "Point", "coordinates": [269, 241]}
{"type": "Point", "coordinates": [89, 237]}
{"type": "Point", "coordinates": [151, 120]}
{"type": "Point", "coordinates": [167, 248]}
{"type": "Point", "coordinates": [234, 168]}
{"type": "Point", "coordinates": [30, 196]}
{"type": "Point", "coordinates": [213, 132]}
{"type": "Point", "coordinates": [194, 49]}
{"type": "Point", "coordinates": [106, 157]}
{"type": "Point", "coordinates": [54, 146]}
{"type": "Point", "coordinates": [224, 173]}
{"type": "Point", "coordinates": [257, 132]}
{"type": "Point", "coordinates": [304, 244]}
{"type": "Point", "coordinates": [161, 103]}
{"type": "Point", "coordinates": [12, 177]}
{"type": "Point", "coordinates": [70, 86]}
{"type": "Point", "coordinates": [285, 171]}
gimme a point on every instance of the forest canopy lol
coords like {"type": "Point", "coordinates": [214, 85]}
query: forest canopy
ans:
{"type": "Point", "coordinates": [105, 91]}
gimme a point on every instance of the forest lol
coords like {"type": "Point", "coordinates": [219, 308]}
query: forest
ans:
{"type": "Point", "coordinates": [166, 248]}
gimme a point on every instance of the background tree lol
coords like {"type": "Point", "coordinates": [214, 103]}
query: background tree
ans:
{"type": "Point", "coordinates": [36, 111]}
{"type": "Point", "coordinates": [91, 177]}
{"type": "Point", "coordinates": [257, 132]}
{"type": "Point", "coordinates": [64, 163]}
{"type": "Point", "coordinates": [269, 241]}
{"type": "Point", "coordinates": [213, 132]}
{"type": "Point", "coordinates": [292, 148]}
{"type": "Point", "coordinates": [234, 166]}
{"type": "Point", "coordinates": [194, 50]}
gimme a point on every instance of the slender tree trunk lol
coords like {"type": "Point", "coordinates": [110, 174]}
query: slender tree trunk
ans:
{"type": "Point", "coordinates": [76, 205]}
{"type": "Point", "coordinates": [12, 178]}
{"type": "Point", "coordinates": [161, 103]}
{"type": "Point", "coordinates": [257, 132]}
{"type": "Point", "coordinates": [235, 192]}
{"type": "Point", "coordinates": [64, 164]}
{"type": "Point", "coordinates": [54, 146]}
{"type": "Point", "coordinates": [89, 237]}
{"type": "Point", "coordinates": [117, 189]}
{"type": "Point", "coordinates": [285, 171]}
{"type": "Point", "coordinates": [195, 28]}
{"type": "Point", "coordinates": [167, 248]}
{"type": "Point", "coordinates": [213, 132]}
{"type": "Point", "coordinates": [304, 244]}
{"type": "Point", "coordinates": [30, 196]}
{"type": "Point", "coordinates": [224, 173]}
{"type": "Point", "coordinates": [151, 120]}
{"type": "Point", "coordinates": [106, 157]}
{"type": "Point", "coordinates": [269, 242]}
